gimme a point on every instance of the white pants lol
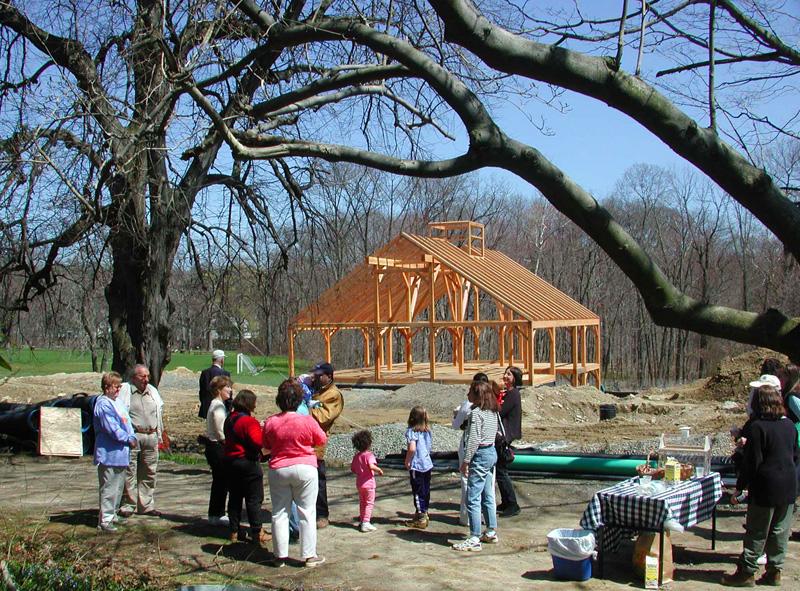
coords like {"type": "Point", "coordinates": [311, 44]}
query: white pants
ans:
{"type": "Point", "coordinates": [112, 481]}
{"type": "Point", "coordinates": [296, 483]}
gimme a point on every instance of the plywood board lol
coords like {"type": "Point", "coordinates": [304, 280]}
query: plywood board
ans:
{"type": "Point", "coordinates": [60, 431]}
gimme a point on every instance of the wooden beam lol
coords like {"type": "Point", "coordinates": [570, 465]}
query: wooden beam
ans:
{"type": "Point", "coordinates": [387, 263]}
{"type": "Point", "coordinates": [552, 333]}
{"type": "Point", "coordinates": [299, 327]}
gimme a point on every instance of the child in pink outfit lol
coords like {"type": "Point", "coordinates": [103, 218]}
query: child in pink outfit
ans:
{"type": "Point", "coordinates": [365, 466]}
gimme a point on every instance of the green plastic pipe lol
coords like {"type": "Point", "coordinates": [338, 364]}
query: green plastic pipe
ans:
{"type": "Point", "coordinates": [576, 464]}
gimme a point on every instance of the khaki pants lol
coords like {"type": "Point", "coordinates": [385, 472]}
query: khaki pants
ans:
{"type": "Point", "coordinates": [768, 530]}
{"type": "Point", "coordinates": [140, 480]}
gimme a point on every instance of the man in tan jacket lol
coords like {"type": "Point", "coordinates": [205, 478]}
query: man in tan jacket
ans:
{"type": "Point", "coordinates": [331, 404]}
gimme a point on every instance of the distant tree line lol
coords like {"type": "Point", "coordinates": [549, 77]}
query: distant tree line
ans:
{"type": "Point", "coordinates": [238, 286]}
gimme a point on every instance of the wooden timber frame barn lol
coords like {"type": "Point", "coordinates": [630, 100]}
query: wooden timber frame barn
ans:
{"type": "Point", "coordinates": [396, 290]}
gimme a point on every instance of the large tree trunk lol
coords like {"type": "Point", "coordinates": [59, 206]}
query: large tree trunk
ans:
{"type": "Point", "coordinates": [139, 306]}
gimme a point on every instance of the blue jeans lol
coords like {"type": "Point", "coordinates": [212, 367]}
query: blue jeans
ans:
{"type": "Point", "coordinates": [480, 490]}
{"type": "Point", "coordinates": [294, 522]}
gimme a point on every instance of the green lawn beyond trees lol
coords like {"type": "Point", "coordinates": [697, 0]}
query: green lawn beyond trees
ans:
{"type": "Point", "coordinates": [27, 362]}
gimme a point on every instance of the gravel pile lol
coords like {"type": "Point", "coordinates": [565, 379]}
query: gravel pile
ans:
{"type": "Point", "coordinates": [389, 439]}
{"type": "Point", "coordinates": [446, 398]}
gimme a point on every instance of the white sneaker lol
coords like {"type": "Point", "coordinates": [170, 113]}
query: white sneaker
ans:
{"type": "Point", "coordinates": [314, 561]}
{"type": "Point", "coordinates": [219, 520]}
{"type": "Point", "coordinates": [366, 527]}
{"type": "Point", "coordinates": [108, 528]}
{"type": "Point", "coordinates": [490, 537]}
{"type": "Point", "coordinates": [471, 544]}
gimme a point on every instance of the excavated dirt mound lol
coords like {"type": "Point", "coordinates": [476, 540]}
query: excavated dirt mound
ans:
{"type": "Point", "coordinates": [730, 380]}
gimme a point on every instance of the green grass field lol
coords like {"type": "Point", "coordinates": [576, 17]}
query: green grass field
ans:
{"type": "Point", "coordinates": [28, 362]}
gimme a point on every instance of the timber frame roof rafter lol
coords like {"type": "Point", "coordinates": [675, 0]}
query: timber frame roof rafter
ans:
{"type": "Point", "coordinates": [396, 289]}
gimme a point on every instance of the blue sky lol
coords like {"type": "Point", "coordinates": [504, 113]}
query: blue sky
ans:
{"type": "Point", "coordinates": [593, 144]}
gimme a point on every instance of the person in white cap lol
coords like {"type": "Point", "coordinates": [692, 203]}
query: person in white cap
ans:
{"type": "Point", "coordinates": [216, 369]}
{"type": "Point", "coordinates": [740, 434]}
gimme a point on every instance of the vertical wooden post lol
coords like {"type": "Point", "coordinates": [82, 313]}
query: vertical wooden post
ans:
{"type": "Point", "coordinates": [378, 353]}
{"type": "Point", "coordinates": [583, 355]}
{"type": "Point", "coordinates": [512, 335]}
{"type": "Point", "coordinates": [291, 351]}
{"type": "Point", "coordinates": [476, 332]}
{"type": "Point", "coordinates": [377, 330]}
{"type": "Point", "coordinates": [574, 331]}
{"type": "Point", "coordinates": [326, 334]}
{"type": "Point", "coordinates": [410, 318]}
{"type": "Point", "coordinates": [365, 334]}
{"type": "Point", "coordinates": [409, 361]}
{"type": "Point", "coordinates": [432, 322]}
{"type": "Point", "coordinates": [389, 348]}
{"type": "Point", "coordinates": [461, 332]}
{"type": "Point", "coordinates": [389, 330]}
{"type": "Point", "coordinates": [598, 354]}
{"type": "Point", "coordinates": [552, 333]}
{"type": "Point", "coordinates": [531, 353]}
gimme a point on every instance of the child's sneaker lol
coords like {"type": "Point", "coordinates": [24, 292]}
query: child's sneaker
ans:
{"type": "Point", "coordinates": [366, 527]}
{"type": "Point", "coordinates": [471, 544]}
{"type": "Point", "coordinates": [490, 537]}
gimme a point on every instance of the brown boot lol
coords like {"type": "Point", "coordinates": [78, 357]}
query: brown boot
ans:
{"type": "Point", "coordinates": [237, 536]}
{"type": "Point", "coordinates": [771, 577]}
{"type": "Point", "coordinates": [740, 578]}
{"type": "Point", "coordinates": [419, 522]}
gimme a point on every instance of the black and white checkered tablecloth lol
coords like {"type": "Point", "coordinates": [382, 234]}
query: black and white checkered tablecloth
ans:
{"type": "Point", "coordinates": [622, 509]}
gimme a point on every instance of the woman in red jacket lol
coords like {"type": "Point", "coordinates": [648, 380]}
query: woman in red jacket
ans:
{"type": "Point", "coordinates": [243, 466]}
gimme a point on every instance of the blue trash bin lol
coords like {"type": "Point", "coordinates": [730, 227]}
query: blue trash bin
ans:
{"type": "Point", "coordinates": [572, 551]}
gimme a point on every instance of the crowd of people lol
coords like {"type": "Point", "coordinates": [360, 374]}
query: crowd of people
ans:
{"type": "Point", "coordinates": [128, 424]}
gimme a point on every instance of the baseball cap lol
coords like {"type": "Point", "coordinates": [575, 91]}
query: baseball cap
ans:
{"type": "Point", "coordinates": [217, 354]}
{"type": "Point", "coordinates": [325, 368]}
{"type": "Point", "coordinates": [767, 380]}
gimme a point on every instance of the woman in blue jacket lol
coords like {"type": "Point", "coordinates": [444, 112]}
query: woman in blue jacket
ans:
{"type": "Point", "coordinates": [114, 438]}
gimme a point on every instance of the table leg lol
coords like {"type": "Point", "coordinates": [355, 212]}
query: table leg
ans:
{"type": "Point", "coordinates": [660, 557]}
{"type": "Point", "coordinates": [601, 552]}
{"type": "Point", "coordinates": [714, 528]}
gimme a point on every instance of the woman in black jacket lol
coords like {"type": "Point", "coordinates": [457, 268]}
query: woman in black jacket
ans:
{"type": "Point", "coordinates": [511, 415]}
{"type": "Point", "coordinates": [768, 474]}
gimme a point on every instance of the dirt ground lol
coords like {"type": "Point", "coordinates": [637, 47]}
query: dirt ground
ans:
{"type": "Point", "coordinates": [56, 499]}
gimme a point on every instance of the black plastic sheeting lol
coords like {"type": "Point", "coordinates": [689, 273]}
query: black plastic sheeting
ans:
{"type": "Point", "coordinates": [20, 422]}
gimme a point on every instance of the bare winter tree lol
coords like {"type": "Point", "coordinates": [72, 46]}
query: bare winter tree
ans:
{"type": "Point", "coordinates": [415, 65]}
{"type": "Point", "coordinates": [99, 99]}
{"type": "Point", "coordinates": [92, 119]}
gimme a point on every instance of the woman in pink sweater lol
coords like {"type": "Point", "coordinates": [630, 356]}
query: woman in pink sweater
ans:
{"type": "Point", "coordinates": [290, 438]}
